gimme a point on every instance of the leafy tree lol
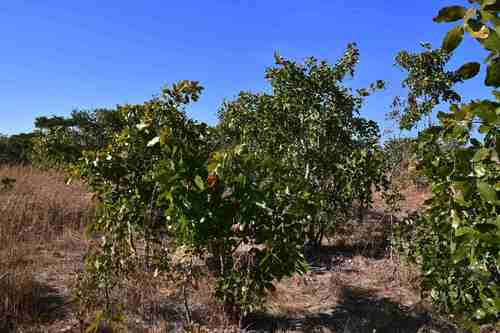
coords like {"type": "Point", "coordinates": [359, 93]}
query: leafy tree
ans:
{"type": "Point", "coordinates": [44, 122]}
{"type": "Point", "coordinates": [429, 84]}
{"type": "Point", "coordinates": [123, 175]}
{"type": "Point", "coordinates": [248, 193]}
{"type": "Point", "coordinates": [310, 122]}
{"type": "Point", "coordinates": [457, 239]}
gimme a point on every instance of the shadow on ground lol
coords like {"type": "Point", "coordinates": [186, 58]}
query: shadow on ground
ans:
{"type": "Point", "coordinates": [358, 311]}
{"type": "Point", "coordinates": [42, 305]}
{"type": "Point", "coordinates": [369, 238]}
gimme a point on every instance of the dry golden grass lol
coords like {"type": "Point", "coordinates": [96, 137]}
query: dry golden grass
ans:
{"type": "Point", "coordinates": [34, 215]}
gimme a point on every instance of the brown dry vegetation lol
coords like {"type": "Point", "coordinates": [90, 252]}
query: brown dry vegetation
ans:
{"type": "Point", "coordinates": [356, 285]}
{"type": "Point", "coordinates": [38, 217]}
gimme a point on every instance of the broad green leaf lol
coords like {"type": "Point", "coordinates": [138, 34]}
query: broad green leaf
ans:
{"type": "Point", "coordinates": [463, 231]}
{"type": "Point", "coordinates": [493, 74]}
{"type": "Point", "coordinates": [450, 14]}
{"type": "Point", "coordinates": [482, 33]}
{"type": "Point", "coordinates": [487, 192]}
{"type": "Point", "coordinates": [453, 39]}
{"type": "Point", "coordinates": [199, 182]}
{"type": "Point", "coordinates": [483, 129]}
{"type": "Point", "coordinates": [491, 42]}
{"type": "Point", "coordinates": [469, 70]}
{"type": "Point", "coordinates": [480, 314]}
{"type": "Point", "coordinates": [460, 254]}
{"type": "Point", "coordinates": [164, 135]}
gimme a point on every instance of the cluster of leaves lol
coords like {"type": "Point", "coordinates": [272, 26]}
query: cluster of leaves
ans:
{"type": "Point", "coordinates": [158, 182]}
{"type": "Point", "coordinates": [55, 148]}
{"type": "Point", "coordinates": [459, 235]}
{"type": "Point", "coordinates": [482, 23]}
{"type": "Point", "coordinates": [457, 239]}
{"type": "Point", "coordinates": [428, 83]}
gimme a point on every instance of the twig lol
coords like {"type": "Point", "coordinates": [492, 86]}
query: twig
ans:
{"type": "Point", "coordinates": [186, 305]}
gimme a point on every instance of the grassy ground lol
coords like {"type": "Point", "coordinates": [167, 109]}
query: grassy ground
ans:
{"type": "Point", "coordinates": [40, 245]}
{"type": "Point", "coordinates": [355, 285]}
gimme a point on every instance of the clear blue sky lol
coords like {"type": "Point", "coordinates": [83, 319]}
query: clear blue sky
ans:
{"type": "Point", "coordinates": [57, 56]}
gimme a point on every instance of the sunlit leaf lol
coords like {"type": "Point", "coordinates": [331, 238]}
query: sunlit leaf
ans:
{"type": "Point", "coordinates": [153, 141]}
{"type": "Point", "coordinates": [493, 74]}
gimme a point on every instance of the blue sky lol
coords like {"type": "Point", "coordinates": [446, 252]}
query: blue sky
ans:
{"type": "Point", "coordinates": [57, 56]}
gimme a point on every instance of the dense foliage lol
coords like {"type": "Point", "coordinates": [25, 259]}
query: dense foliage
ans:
{"type": "Point", "coordinates": [159, 183]}
{"type": "Point", "coordinates": [310, 122]}
{"type": "Point", "coordinates": [428, 83]}
{"type": "Point", "coordinates": [457, 240]}
{"type": "Point", "coordinates": [16, 148]}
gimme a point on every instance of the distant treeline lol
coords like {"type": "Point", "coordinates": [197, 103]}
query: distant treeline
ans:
{"type": "Point", "coordinates": [58, 140]}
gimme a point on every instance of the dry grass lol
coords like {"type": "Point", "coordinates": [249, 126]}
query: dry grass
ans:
{"type": "Point", "coordinates": [35, 215]}
{"type": "Point", "coordinates": [357, 285]}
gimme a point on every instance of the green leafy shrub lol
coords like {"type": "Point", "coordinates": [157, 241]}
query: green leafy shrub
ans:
{"type": "Point", "coordinates": [123, 177]}
{"type": "Point", "coordinates": [159, 183]}
{"type": "Point", "coordinates": [457, 239]}
{"type": "Point", "coordinates": [310, 122]}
